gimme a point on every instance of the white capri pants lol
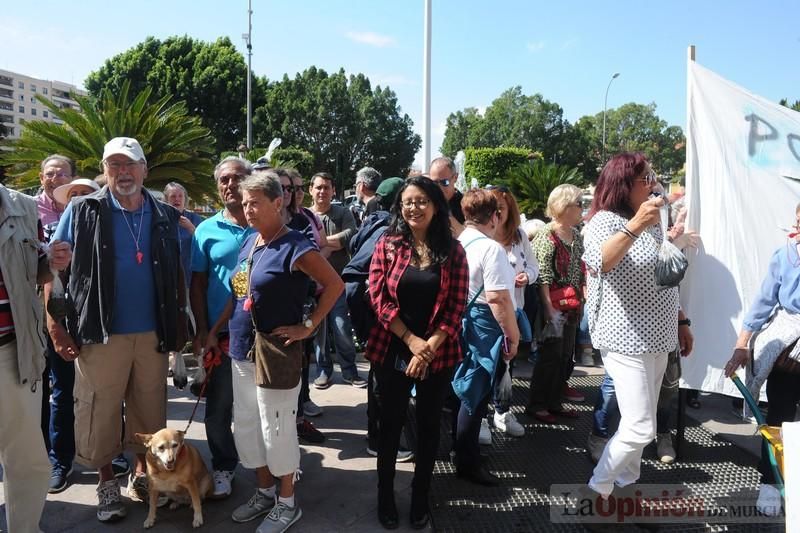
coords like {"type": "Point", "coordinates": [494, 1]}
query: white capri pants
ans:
{"type": "Point", "coordinates": [637, 382]}
{"type": "Point", "coordinates": [264, 422]}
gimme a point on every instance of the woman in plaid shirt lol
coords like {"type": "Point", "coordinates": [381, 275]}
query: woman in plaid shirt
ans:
{"type": "Point", "coordinates": [418, 282]}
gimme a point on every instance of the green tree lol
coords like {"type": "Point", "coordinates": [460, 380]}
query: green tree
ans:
{"type": "Point", "coordinates": [177, 146]}
{"type": "Point", "coordinates": [461, 131]}
{"type": "Point", "coordinates": [795, 106]}
{"type": "Point", "coordinates": [514, 119]}
{"type": "Point", "coordinates": [531, 184]}
{"type": "Point", "coordinates": [342, 121]}
{"type": "Point", "coordinates": [633, 128]}
{"type": "Point", "coordinates": [210, 77]}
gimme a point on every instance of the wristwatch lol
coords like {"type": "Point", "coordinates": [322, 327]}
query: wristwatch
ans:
{"type": "Point", "coordinates": [308, 323]}
{"type": "Point", "coordinates": [685, 322]}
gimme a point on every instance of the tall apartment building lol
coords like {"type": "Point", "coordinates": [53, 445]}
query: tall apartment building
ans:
{"type": "Point", "coordinates": [18, 102]}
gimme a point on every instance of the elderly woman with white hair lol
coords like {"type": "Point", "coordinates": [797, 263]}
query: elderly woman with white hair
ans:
{"type": "Point", "coordinates": [267, 323]}
{"type": "Point", "coordinates": [558, 247]}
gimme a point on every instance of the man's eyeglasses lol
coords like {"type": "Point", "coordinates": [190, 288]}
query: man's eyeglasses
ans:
{"type": "Point", "coordinates": [116, 166]}
{"type": "Point", "coordinates": [443, 183]}
{"type": "Point", "coordinates": [50, 175]}
{"type": "Point", "coordinates": [422, 203]}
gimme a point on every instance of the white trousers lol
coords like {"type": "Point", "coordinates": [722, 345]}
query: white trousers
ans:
{"type": "Point", "coordinates": [264, 422]}
{"type": "Point", "coordinates": [637, 381]}
{"type": "Point", "coordinates": [26, 468]}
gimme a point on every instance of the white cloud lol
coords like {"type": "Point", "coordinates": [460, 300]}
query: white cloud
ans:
{"type": "Point", "coordinates": [569, 44]}
{"type": "Point", "coordinates": [370, 38]}
{"type": "Point", "coordinates": [534, 47]}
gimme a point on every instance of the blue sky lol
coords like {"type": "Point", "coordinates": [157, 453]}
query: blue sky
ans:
{"type": "Point", "coordinates": [567, 50]}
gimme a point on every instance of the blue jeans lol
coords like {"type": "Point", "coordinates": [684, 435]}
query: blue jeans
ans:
{"type": "Point", "coordinates": [339, 321]}
{"type": "Point", "coordinates": [606, 406]}
{"type": "Point", "coordinates": [62, 415]}
{"type": "Point", "coordinates": [219, 415]}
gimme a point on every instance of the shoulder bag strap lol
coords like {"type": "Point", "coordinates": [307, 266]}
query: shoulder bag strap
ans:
{"type": "Point", "coordinates": [474, 298]}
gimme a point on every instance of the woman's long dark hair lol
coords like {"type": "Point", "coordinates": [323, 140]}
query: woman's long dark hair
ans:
{"type": "Point", "coordinates": [439, 238]}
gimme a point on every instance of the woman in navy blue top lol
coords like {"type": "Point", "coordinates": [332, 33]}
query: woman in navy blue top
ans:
{"type": "Point", "coordinates": [276, 266]}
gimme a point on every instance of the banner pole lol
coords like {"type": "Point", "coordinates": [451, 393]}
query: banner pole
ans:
{"type": "Point", "coordinates": [680, 429]}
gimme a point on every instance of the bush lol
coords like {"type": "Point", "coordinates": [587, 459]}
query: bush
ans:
{"type": "Point", "coordinates": [532, 182]}
{"type": "Point", "coordinates": [491, 165]}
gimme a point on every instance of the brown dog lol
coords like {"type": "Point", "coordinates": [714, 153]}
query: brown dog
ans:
{"type": "Point", "coordinates": [175, 468]}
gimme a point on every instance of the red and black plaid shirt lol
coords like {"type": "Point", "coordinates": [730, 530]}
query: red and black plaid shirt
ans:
{"type": "Point", "coordinates": [389, 261]}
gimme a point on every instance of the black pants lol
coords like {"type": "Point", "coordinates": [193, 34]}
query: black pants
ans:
{"type": "Point", "coordinates": [467, 427]}
{"type": "Point", "coordinates": [553, 368]}
{"type": "Point", "coordinates": [395, 390]}
{"type": "Point", "coordinates": [783, 393]}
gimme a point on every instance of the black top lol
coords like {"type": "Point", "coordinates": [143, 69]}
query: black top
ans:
{"type": "Point", "coordinates": [455, 206]}
{"type": "Point", "coordinates": [416, 296]}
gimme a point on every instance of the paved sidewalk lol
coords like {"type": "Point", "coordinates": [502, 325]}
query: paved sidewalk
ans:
{"type": "Point", "coordinates": [337, 491]}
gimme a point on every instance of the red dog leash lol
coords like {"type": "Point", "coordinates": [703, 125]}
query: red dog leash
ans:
{"type": "Point", "coordinates": [210, 360]}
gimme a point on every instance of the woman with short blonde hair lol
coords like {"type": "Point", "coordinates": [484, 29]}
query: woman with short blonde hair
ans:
{"type": "Point", "coordinates": [561, 199]}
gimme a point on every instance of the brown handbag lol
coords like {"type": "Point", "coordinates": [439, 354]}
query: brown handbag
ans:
{"type": "Point", "coordinates": [277, 366]}
{"type": "Point", "coordinates": [785, 363]}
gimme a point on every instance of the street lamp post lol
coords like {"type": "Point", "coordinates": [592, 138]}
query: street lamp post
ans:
{"type": "Point", "coordinates": [248, 39]}
{"type": "Point", "coordinates": [605, 105]}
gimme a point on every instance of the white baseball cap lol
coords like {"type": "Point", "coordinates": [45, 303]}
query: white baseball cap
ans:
{"type": "Point", "coordinates": [126, 146]}
{"type": "Point", "coordinates": [61, 193]}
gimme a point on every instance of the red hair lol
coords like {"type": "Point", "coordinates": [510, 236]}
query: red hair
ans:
{"type": "Point", "coordinates": [616, 182]}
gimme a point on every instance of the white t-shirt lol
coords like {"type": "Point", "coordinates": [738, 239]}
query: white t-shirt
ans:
{"type": "Point", "coordinates": [523, 259]}
{"type": "Point", "coordinates": [627, 313]}
{"type": "Point", "coordinates": [488, 265]}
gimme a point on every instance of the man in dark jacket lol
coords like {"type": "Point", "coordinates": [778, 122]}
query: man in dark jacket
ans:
{"type": "Point", "coordinates": [126, 311]}
{"type": "Point", "coordinates": [355, 275]}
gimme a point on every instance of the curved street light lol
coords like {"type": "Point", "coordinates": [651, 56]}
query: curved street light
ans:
{"type": "Point", "coordinates": [605, 105]}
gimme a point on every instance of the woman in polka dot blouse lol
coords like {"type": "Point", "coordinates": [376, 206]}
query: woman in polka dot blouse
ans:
{"type": "Point", "coordinates": [633, 324]}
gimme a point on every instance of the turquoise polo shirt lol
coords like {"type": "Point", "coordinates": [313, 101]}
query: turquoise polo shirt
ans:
{"type": "Point", "coordinates": [215, 252]}
{"type": "Point", "coordinates": [134, 299]}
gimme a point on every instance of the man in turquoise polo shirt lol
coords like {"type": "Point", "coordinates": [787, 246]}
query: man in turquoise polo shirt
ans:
{"type": "Point", "coordinates": [215, 250]}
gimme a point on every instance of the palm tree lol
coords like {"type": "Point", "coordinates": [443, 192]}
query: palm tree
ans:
{"type": "Point", "coordinates": [532, 182]}
{"type": "Point", "coordinates": [176, 145]}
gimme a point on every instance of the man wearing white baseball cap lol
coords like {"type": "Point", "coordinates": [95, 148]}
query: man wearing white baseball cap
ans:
{"type": "Point", "coordinates": [127, 293]}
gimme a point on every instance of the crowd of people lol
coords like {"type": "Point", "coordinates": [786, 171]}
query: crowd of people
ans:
{"type": "Point", "coordinates": [444, 290]}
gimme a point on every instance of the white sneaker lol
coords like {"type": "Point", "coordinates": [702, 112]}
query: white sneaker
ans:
{"type": "Point", "coordinates": [311, 409]}
{"type": "Point", "coordinates": [587, 358]}
{"type": "Point", "coordinates": [769, 500]}
{"type": "Point", "coordinates": [507, 423]}
{"type": "Point", "coordinates": [222, 483]}
{"type": "Point", "coordinates": [664, 449]}
{"type": "Point", "coordinates": [485, 436]}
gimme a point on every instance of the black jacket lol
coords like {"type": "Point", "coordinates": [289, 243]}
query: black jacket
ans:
{"type": "Point", "coordinates": [92, 284]}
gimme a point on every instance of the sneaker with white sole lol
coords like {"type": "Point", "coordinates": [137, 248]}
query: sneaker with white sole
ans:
{"type": "Point", "coordinates": [356, 381]}
{"type": "Point", "coordinates": [664, 449]}
{"type": "Point", "coordinates": [485, 436]}
{"type": "Point", "coordinates": [507, 423]}
{"type": "Point", "coordinates": [311, 409]}
{"type": "Point", "coordinates": [403, 455]}
{"type": "Point", "coordinates": [222, 483]}
{"type": "Point", "coordinates": [769, 500]}
{"type": "Point", "coordinates": [260, 504]}
{"type": "Point", "coordinates": [595, 446]}
{"type": "Point", "coordinates": [280, 518]}
{"type": "Point", "coordinates": [109, 501]}
{"type": "Point", "coordinates": [138, 490]}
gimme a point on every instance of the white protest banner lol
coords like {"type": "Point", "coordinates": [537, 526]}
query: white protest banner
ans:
{"type": "Point", "coordinates": [742, 187]}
